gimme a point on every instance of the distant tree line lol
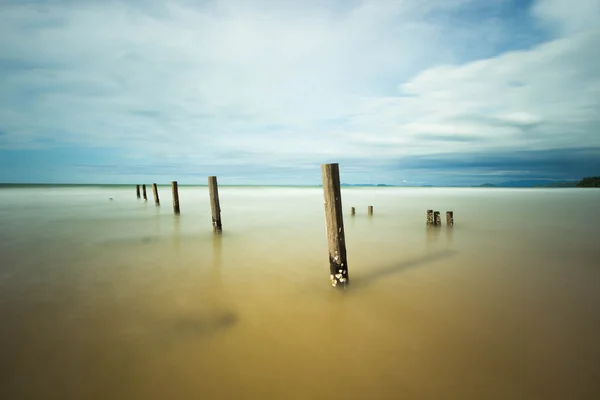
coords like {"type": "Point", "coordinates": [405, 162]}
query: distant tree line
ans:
{"type": "Point", "coordinates": [590, 181]}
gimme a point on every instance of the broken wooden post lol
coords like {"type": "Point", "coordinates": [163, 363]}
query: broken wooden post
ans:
{"type": "Point", "coordinates": [449, 218]}
{"type": "Point", "coordinates": [137, 191]}
{"type": "Point", "coordinates": [437, 220]}
{"type": "Point", "coordinates": [175, 197]}
{"type": "Point", "coordinates": [370, 210]}
{"type": "Point", "coordinates": [338, 266]}
{"type": "Point", "coordinates": [214, 203]}
{"type": "Point", "coordinates": [352, 211]}
{"type": "Point", "coordinates": [430, 218]}
{"type": "Point", "coordinates": [155, 193]}
{"type": "Point", "coordinates": [144, 192]}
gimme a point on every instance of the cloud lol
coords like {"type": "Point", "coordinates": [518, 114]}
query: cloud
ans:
{"type": "Point", "coordinates": [257, 85]}
{"type": "Point", "coordinates": [568, 17]}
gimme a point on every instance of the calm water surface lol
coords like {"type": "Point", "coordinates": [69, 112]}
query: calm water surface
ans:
{"type": "Point", "coordinates": [120, 299]}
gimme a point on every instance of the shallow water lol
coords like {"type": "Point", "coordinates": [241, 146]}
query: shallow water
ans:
{"type": "Point", "coordinates": [121, 299]}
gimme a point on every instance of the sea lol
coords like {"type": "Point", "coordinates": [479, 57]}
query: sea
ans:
{"type": "Point", "coordinates": [107, 296]}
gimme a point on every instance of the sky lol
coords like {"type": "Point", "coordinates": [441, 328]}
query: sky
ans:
{"type": "Point", "coordinates": [412, 92]}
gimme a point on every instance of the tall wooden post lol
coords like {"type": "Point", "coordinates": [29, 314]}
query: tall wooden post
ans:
{"type": "Point", "coordinates": [430, 219]}
{"type": "Point", "coordinates": [155, 193]}
{"type": "Point", "coordinates": [449, 218]}
{"type": "Point", "coordinates": [214, 203]}
{"type": "Point", "coordinates": [175, 197]}
{"type": "Point", "coordinates": [338, 266]}
{"type": "Point", "coordinates": [144, 192]}
{"type": "Point", "coordinates": [137, 191]}
{"type": "Point", "coordinates": [437, 220]}
{"type": "Point", "coordinates": [370, 210]}
{"type": "Point", "coordinates": [352, 211]}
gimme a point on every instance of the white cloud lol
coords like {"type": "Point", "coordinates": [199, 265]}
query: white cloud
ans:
{"type": "Point", "coordinates": [292, 81]}
{"type": "Point", "coordinates": [543, 98]}
{"type": "Point", "coordinates": [568, 16]}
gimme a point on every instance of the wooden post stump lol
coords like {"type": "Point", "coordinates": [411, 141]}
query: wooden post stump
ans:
{"type": "Point", "coordinates": [430, 219]}
{"type": "Point", "coordinates": [144, 192]}
{"type": "Point", "coordinates": [175, 197]}
{"type": "Point", "coordinates": [352, 211]}
{"type": "Point", "coordinates": [137, 191]}
{"type": "Point", "coordinates": [155, 193]}
{"type": "Point", "coordinates": [338, 266]}
{"type": "Point", "coordinates": [370, 210]}
{"type": "Point", "coordinates": [437, 220]}
{"type": "Point", "coordinates": [214, 203]}
{"type": "Point", "coordinates": [449, 218]}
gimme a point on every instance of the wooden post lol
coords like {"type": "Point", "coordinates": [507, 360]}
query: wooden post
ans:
{"type": "Point", "coordinates": [175, 197]}
{"type": "Point", "coordinates": [137, 191]}
{"type": "Point", "coordinates": [430, 219]}
{"type": "Point", "coordinates": [155, 192]}
{"type": "Point", "coordinates": [437, 220]}
{"type": "Point", "coordinates": [213, 190]}
{"type": "Point", "coordinates": [370, 210]}
{"type": "Point", "coordinates": [144, 192]}
{"type": "Point", "coordinates": [449, 218]}
{"type": "Point", "coordinates": [352, 211]}
{"type": "Point", "coordinates": [338, 266]}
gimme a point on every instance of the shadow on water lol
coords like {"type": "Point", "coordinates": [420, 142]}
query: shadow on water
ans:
{"type": "Point", "coordinates": [380, 273]}
{"type": "Point", "coordinates": [145, 240]}
{"type": "Point", "coordinates": [202, 326]}
{"type": "Point", "coordinates": [213, 316]}
{"type": "Point", "coordinates": [171, 331]}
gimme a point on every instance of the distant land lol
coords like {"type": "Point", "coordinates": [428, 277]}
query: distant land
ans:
{"type": "Point", "coordinates": [589, 181]}
{"type": "Point", "coordinates": [364, 184]}
{"type": "Point", "coordinates": [541, 183]}
{"type": "Point", "coordinates": [532, 184]}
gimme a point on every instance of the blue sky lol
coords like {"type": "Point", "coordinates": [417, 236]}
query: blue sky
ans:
{"type": "Point", "coordinates": [452, 92]}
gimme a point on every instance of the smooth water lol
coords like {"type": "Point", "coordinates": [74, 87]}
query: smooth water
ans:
{"type": "Point", "coordinates": [119, 299]}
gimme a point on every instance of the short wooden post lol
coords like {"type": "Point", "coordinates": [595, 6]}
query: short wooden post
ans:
{"type": "Point", "coordinates": [213, 190]}
{"type": "Point", "coordinates": [137, 191]}
{"type": "Point", "coordinates": [175, 197]}
{"type": "Point", "coordinates": [430, 219]}
{"type": "Point", "coordinates": [144, 192]}
{"type": "Point", "coordinates": [338, 266]}
{"type": "Point", "coordinates": [449, 218]}
{"type": "Point", "coordinates": [352, 211]}
{"type": "Point", "coordinates": [370, 210]}
{"type": "Point", "coordinates": [437, 220]}
{"type": "Point", "coordinates": [155, 193]}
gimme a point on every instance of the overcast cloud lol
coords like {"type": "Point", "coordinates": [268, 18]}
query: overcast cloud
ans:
{"type": "Point", "coordinates": [261, 92]}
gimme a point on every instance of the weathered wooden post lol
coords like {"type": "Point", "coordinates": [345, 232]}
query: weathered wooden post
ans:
{"type": "Point", "coordinates": [155, 193]}
{"type": "Point", "coordinates": [175, 197]}
{"type": "Point", "coordinates": [338, 266]}
{"type": "Point", "coordinates": [437, 220]}
{"type": "Point", "coordinates": [449, 218]}
{"type": "Point", "coordinates": [214, 203]}
{"type": "Point", "coordinates": [144, 192]}
{"type": "Point", "coordinates": [430, 219]}
{"type": "Point", "coordinates": [352, 211]}
{"type": "Point", "coordinates": [137, 191]}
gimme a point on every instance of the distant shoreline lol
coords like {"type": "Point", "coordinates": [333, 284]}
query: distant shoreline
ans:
{"type": "Point", "coordinates": [344, 186]}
